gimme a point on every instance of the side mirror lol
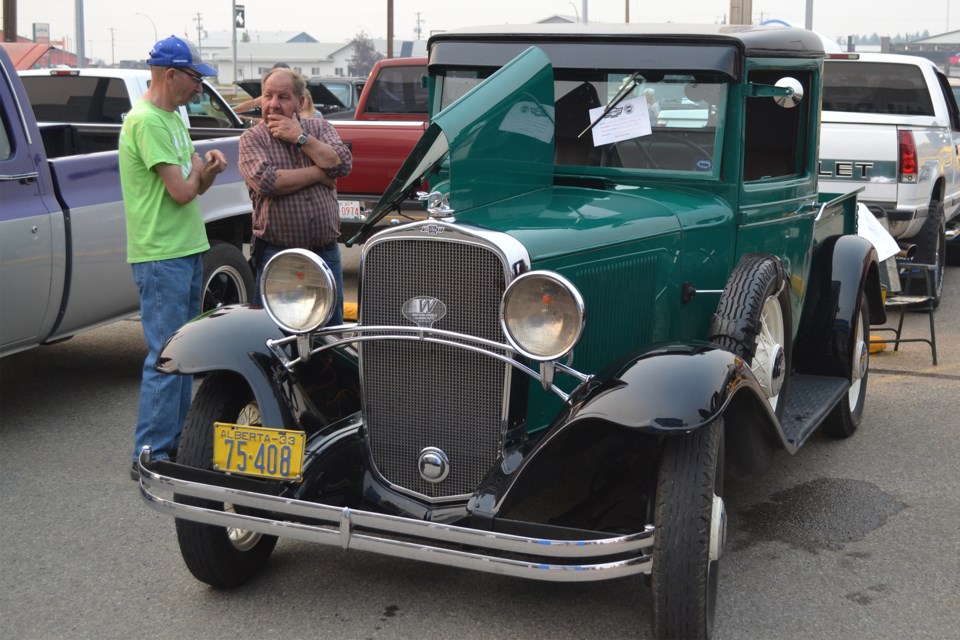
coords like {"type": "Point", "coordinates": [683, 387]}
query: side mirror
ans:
{"type": "Point", "coordinates": [792, 92]}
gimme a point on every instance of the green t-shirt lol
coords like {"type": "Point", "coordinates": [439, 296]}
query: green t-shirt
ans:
{"type": "Point", "coordinates": [158, 228]}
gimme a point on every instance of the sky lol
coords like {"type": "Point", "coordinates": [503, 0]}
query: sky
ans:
{"type": "Point", "coordinates": [124, 30]}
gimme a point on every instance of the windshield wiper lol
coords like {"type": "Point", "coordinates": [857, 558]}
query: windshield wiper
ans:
{"type": "Point", "coordinates": [625, 90]}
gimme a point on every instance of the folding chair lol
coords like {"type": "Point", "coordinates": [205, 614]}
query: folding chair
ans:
{"type": "Point", "coordinates": [918, 295]}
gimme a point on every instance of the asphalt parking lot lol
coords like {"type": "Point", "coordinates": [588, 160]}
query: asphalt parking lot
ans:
{"type": "Point", "coordinates": [848, 539]}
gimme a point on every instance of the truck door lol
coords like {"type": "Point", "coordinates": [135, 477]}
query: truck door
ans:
{"type": "Point", "coordinates": [27, 229]}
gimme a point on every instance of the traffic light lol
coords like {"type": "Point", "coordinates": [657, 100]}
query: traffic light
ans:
{"type": "Point", "coordinates": [238, 18]}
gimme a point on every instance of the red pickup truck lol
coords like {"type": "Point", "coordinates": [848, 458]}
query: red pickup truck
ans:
{"type": "Point", "coordinates": [391, 116]}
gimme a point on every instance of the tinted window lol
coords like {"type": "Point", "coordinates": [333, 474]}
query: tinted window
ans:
{"type": "Point", "coordinates": [80, 99]}
{"type": "Point", "coordinates": [875, 87]}
{"type": "Point", "coordinates": [398, 90]}
{"type": "Point", "coordinates": [5, 150]}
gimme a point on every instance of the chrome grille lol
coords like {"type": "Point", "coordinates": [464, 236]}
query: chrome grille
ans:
{"type": "Point", "coordinates": [418, 395]}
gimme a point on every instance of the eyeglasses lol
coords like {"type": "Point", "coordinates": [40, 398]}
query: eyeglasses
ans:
{"type": "Point", "coordinates": [195, 78]}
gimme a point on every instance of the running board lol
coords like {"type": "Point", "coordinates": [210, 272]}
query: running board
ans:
{"type": "Point", "coordinates": [810, 400]}
{"type": "Point", "coordinates": [953, 229]}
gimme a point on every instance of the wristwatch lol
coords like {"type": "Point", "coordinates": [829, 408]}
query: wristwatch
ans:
{"type": "Point", "coordinates": [302, 139]}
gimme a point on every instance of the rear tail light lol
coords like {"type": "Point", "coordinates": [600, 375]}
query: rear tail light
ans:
{"type": "Point", "coordinates": [908, 157]}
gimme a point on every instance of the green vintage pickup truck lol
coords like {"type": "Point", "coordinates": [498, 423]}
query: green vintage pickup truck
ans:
{"type": "Point", "coordinates": [626, 286]}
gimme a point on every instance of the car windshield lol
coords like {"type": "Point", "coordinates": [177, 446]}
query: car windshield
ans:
{"type": "Point", "coordinates": [342, 91]}
{"type": "Point", "coordinates": [659, 122]}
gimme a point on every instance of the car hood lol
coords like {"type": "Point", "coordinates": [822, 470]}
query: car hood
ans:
{"type": "Point", "coordinates": [493, 143]}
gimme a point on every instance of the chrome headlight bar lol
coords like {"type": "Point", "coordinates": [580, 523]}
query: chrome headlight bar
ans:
{"type": "Point", "coordinates": [542, 315]}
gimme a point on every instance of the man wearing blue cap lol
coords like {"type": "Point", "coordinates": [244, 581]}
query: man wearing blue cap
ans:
{"type": "Point", "coordinates": [161, 176]}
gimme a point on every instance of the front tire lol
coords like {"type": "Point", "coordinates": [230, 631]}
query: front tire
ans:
{"type": "Point", "coordinates": [219, 556]}
{"type": "Point", "coordinates": [690, 521]}
{"type": "Point", "coordinates": [846, 416]}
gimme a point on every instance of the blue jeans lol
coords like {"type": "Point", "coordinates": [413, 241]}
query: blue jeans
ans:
{"type": "Point", "coordinates": [170, 293]}
{"type": "Point", "coordinates": [331, 256]}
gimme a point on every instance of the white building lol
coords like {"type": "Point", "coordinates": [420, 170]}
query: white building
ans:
{"type": "Point", "coordinates": [298, 49]}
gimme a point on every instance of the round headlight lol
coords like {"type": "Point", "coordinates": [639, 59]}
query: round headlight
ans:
{"type": "Point", "coordinates": [542, 314]}
{"type": "Point", "coordinates": [298, 290]}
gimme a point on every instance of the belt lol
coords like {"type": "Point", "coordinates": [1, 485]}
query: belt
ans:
{"type": "Point", "coordinates": [315, 248]}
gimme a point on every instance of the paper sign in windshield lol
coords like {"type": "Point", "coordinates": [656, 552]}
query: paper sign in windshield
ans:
{"type": "Point", "coordinates": [629, 119]}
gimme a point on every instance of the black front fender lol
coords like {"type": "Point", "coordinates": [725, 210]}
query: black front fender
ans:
{"type": "Point", "coordinates": [231, 338]}
{"type": "Point", "coordinates": [843, 268]}
{"type": "Point", "coordinates": [675, 388]}
{"type": "Point", "coordinates": [666, 391]}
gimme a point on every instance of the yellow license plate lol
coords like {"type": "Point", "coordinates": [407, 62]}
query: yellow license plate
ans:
{"type": "Point", "coordinates": [258, 451]}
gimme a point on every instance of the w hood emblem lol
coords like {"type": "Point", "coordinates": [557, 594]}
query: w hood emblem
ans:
{"type": "Point", "coordinates": [423, 311]}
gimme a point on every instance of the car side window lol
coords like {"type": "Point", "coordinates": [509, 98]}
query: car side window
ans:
{"type": "Point", "coordinates": [5, 149]}
{"type": "Point", "coordinates": [949, 99]}
{"type": "Point", "coordinates": [207, 110]}
{"type": "Point", "coordinates": [775, 136]}
{"type": "Point", "coordinates": [80, 99]}
{"type": "Point", "coordinates": [398, 90]}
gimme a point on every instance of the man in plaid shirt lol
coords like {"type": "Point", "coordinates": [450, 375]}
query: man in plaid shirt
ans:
{"type": "Point", "coordinates": [290, 164]}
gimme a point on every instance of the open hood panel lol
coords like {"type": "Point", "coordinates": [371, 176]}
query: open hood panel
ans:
{"type": "Point", "coordinates": [493, 143]}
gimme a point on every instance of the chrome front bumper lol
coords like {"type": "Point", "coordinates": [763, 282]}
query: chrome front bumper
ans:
{"type": "Point", "coordinates": [535, 558]}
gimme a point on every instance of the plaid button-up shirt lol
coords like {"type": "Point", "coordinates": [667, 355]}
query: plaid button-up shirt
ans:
{"type": "Point", "coordinates": [308, 218]}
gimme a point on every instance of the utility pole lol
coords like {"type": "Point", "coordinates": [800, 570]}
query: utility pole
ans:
{"type": "Point", "coordinates": [418, 29]}
{"type": "Point", "coordinates": [389, 28]}
{"type": "Point", "coordinates": [113, 61]}
{"type": "Point", "coordinates": [10, 20]}
{"type": "Point", "coordinates": [234, 3]}
{"type": "Point", "coordinates": [199, 20]}
{"type": "Point", "coordinates": [741, 11]}
{"type": "Point", "coordinates": [81, 38]}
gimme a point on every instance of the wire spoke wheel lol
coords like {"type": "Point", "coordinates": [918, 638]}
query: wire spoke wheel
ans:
{"type": "Point", "coordinates": [219, 556]}
{"type": "Point", "coordinates": [242, 539]}
{"type": "Point", "coordinates": [768, 360]}
{"type": "Point", "coordinates": [753, 321]}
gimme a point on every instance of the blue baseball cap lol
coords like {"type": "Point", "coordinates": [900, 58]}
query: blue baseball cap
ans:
{"type": "Point", "coordinates": [176, 52]}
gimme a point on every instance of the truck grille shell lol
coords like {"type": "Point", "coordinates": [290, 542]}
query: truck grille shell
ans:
{"type": "Point", "coordinates": [417, 394]}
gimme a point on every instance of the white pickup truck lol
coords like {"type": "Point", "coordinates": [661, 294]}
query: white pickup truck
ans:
{"type": "Point", "coordinates": [104, 96]}
{"type": "Point", "coordinates": [890, 124]}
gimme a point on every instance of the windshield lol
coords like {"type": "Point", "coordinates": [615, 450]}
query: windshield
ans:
{"type": "Point", "coordinates": [659, 122]}
{"type": "Point", "coordinates": [342, 91]}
